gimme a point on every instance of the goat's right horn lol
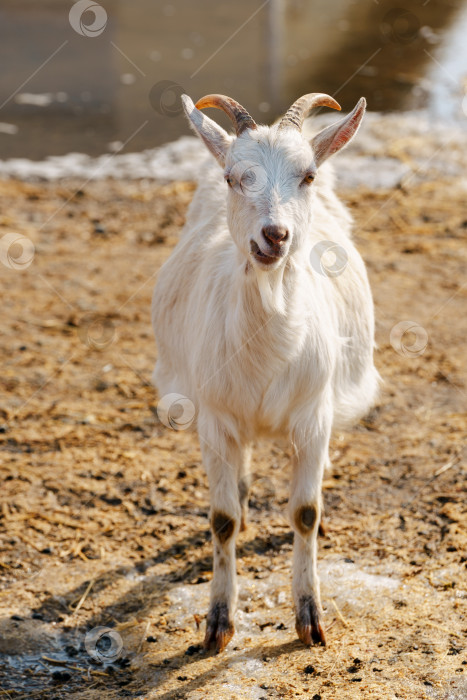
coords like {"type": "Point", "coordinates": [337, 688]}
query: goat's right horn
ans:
{"type": "Point", "coordinates": [301, 108]}
{"type": "Point", "coordinates": [238, 114]}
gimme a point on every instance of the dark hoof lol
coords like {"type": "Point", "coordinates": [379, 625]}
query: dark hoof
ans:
{"type": "Point", "coordinates": [219, 628]}
{"type": "Point", "coordinates": [308, 622]}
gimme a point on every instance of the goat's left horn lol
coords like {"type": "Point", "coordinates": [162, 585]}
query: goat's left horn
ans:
{"type": "Point", "coordinates": [298, 112]}
{"type": "Point", "coordinates": [238, 114]}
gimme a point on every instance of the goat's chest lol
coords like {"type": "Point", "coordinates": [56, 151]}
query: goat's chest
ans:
{"type": "Point", "coordinates": [260, 379]}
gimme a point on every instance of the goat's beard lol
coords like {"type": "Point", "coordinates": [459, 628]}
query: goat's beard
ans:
{"type": "Point", "coordinates": [271, 289]}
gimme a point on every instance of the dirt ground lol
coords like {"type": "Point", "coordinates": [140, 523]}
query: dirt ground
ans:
{"type": "Point", "coordinates": [103, 518]}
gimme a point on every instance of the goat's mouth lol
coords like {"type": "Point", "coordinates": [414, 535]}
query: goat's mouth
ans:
{"type": "Point", "coordinates": [263, 258]}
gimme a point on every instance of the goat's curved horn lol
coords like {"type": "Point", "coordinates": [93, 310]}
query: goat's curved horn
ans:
{"type": "Point", "coordinates": [298, 112]}
{"type": "Point", "coordinates": [238, 114]}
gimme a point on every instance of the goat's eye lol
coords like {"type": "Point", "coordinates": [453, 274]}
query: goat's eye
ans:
{"type": "Point", "coordinates": [229, 180]}
{"type": "Point", "coordinates": [308, 179]}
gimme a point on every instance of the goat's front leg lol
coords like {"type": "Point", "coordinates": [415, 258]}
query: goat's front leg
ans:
{"type": "Point", "coordinates": [311, 448]}
{"type": "Point", "coordinates": [221, 456]}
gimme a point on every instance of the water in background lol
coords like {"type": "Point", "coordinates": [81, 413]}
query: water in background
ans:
{"type": "Point", "coordinates": [108, 76]}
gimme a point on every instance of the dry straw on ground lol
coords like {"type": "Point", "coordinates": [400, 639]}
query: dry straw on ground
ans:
{"type": "Point", "coordinates": [104, 510]}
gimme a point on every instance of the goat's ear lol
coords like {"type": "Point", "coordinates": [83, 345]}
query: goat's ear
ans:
{"type": "Point", "coordinates": [334, 137]}
{"type": "Point", "coordinates": [216, 139]}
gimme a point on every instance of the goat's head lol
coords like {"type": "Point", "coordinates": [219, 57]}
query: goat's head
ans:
{"type": "Point", "coordinates": [270, 171]}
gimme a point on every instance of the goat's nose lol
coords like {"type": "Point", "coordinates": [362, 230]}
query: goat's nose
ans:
{"type": "Point", "coordinates": [275, 234]}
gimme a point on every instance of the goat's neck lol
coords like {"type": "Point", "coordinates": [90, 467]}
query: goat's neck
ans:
{"type": "Point", "coordinates": [264, 300]}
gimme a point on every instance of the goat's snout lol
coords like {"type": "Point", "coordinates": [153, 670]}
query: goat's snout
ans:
{"type": "Point", "coordinates": [273, 245]}
{"type": "Point", "coordinates": [275, 235]}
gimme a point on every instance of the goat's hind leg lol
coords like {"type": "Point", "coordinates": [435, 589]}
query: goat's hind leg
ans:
{"type": "Point", "coordinates": [244, 483]}
{"type": "Point", "coordinates": [221, 459]}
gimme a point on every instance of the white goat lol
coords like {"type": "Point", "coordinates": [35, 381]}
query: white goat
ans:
{"type": "Point", "coordinates": [259, 335]}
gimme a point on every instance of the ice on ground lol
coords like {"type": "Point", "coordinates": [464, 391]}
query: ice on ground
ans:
{"type": "Point", "coordinates": [340, 579]}
{"type": "Point", "coordinates": [259, 627]}
{"type": "Point", "coordinates": [345, 582]}
{"type": "Point", "coordinates": [390, 149]}
{"type": "Point", "coordinates": [231, 690]}
{"type": "Point", "coordinates": [344, 572]}
{"type": "Point", "coordinates": [447, 692]}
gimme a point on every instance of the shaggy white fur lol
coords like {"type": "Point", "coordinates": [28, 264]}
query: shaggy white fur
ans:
{"type": "Point", "coordinates": [281, 347]}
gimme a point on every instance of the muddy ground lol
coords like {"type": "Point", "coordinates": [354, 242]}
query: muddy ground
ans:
{"type": "Point", "coordinates": [104, 510]}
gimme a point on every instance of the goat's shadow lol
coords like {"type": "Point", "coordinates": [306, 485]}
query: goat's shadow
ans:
{"type": "Point", "coordinates": [139, 600]}
{"type": "Point", "coordinates": [155, 587]}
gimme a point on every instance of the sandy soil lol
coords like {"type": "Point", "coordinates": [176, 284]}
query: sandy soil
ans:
{"type": "Point", "coordinates": [103, 516]}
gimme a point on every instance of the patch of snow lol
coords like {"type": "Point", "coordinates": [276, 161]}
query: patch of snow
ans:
{"type": "Point", "coordinates": [448, 692]}
{"type": "Point", "coordinates": [385, 173]}
{"type": "Point", "coordinates": [348, 573]}
{"type": "Point", "coordinates": [341, 580]}
{"type": "Point", "coordinates": [281, 598]}
{"type": "Point", "coordinates": [351, 586]}
{"type": "Point", "coordinates": [8, 128]}
{"type": "Point", "coordinates": [188, 600]}
{"type": "Point", "coordinates": [43, 99]}
{"type": "Point", "coordinates": [238, 691]}
{"type": "Point", "coordinates": [396, 147]}
{"type": "Point", "coordinates": [390, 149]}
{"type": "Point", "coordinates": [133, 576]}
